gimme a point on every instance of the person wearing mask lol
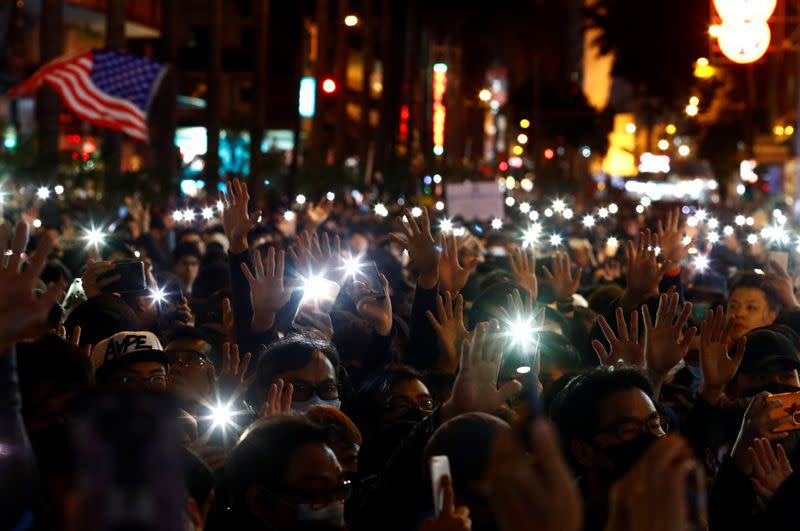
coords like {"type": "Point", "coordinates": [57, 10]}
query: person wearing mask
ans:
{"type": "Point", "coordinates": [187, 265]}
{"type": "Point", "coordinates": [307, 367]}
{"type": "Point", "coordinates": [607, 420]}
{"type": "Point", "coordinates": [281, 476]}
{"type": "Point", "coordinates": [191, 369]}
{"type": "Point", "coordinates": [131, 361]}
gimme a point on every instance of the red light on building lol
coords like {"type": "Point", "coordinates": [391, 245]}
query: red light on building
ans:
{"type": "Point", "coordinates": [503, 166]}
{"type": "Point", "coordinates": [549, 154]}
{"type": "Point", "coordinates": [72, 139]}
{"type": "Point", "coordinates": [328, 86]}
{"type": "Point", "coordinates": [404, 116]}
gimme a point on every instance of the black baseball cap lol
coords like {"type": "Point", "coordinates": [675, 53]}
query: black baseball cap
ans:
{"type": "Point", "coordinates": [768, 350]}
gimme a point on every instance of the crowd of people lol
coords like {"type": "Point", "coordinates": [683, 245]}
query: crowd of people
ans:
{"type": "Point", "coordinates": [263, 371]}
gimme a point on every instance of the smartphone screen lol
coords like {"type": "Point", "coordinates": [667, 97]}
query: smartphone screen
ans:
{"type": "Point", "coordinates": [128, 458]}
{"type": "Point", "coordinates": [132, 277]}
{"type": "Point", "coordinates": [439, 468]}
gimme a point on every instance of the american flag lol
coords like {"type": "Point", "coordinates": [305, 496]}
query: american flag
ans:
{"type": "Point", "coordinates": [105, 87]}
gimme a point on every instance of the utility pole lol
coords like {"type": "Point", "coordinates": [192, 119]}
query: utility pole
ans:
{"type": "Point", "coordinates": [213, 106]}
{"type": "Point", "coordinates": [166, 116]}
{"type": "Point", "coordinates": [259, 95]}
{"type": "Point", "coordinates": [48, 105]}
{"type": "Point", "coordinates": [115, 40]}
{"type": "Point", "coordinates": [365, 131]}
{"type": "Point", "coordinates": [340, 127]}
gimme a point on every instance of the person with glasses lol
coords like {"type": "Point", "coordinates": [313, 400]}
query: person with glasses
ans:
{"type": "Point", "coordinates": [191, 371]}
{"type": "Point", "coordinates": [307, 366]}
{"type": "Point", "coordinates": [131, 361]}
{"type": "Point", "coordinates": [283, 475]}
{"type": "Point", "coordinates": [607, 420]}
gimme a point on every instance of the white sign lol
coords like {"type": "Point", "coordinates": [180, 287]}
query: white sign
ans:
{"type": "Point", "coordinates": [475, 200]}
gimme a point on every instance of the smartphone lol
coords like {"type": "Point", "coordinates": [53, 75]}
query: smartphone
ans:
{"type": "Point", "coordinates": [781, 258]}
{"type": "Point", "coordinates": [128, 459]}
{"type": "Point", "coordinates": [370, 276]}
{"type": "Point", "coordinates": [439, 468]}
{"type": "Point", "coordinates": [132, 277]}
{"type": "Point", "coordinates": [497, 251]}
{"type": "Point", "coordinates": [791, 405]}
{"type": "Point", "coordinates": [320, 294]}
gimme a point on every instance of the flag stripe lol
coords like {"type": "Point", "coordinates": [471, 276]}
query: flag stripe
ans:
{"type": "Point", "coordinates": [86, 97]}
{"type": "Point", "coordinates": [84, 112]}
{"type": "Point", "coordinates": [113, 103]}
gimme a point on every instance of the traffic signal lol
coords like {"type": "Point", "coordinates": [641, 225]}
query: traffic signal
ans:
{"type": "Point", "coordinates": [328, 86]}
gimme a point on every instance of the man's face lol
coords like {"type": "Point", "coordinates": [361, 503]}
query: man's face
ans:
{"type": "Point", "coordinates": [317, 378]}
{"type": "Point", "coordinates": [140, 375]}
{"type": "Point", "coordinates": [408, 400]}
{"type": "Point", "coordinates": [187, 268]}
{"type": "Point", "coordinates": [621, 418]}
{"type": "Point", "coordinates": [748, 384]}
{"type": "Point", "coordinates": [313, 477]}
{"type": "Point", "coordinates": [190, 372]}
{"type": "Point", "coordinates": [347, 455]}
{"type": "Point", "coordinates": [751, 310]}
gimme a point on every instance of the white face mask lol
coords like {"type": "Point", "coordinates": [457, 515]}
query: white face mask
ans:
{"type": "Point", "coordinates": [333, 513]}
{"type": "Point", "coordinates": [299, 407]}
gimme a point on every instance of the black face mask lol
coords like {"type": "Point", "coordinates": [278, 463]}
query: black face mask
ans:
{"type": "Point", "coordinates": [627, 454]}
{"type": "Point", "coordinates": [773, 388]}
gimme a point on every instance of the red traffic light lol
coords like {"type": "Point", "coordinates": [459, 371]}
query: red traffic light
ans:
{"type": "Point", "coordinates": [328, 86]}
{"type": "Point", "coordinates": [549, 154]}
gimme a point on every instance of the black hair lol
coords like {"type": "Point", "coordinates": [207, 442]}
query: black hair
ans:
{"type": "Point", "coordinates": [186, 249]}
{"type": "Point", "coordinates": [493, 297]}
{"type": "Point", "coordinates": [292, 352]}
{"type": "Point", "coordinates": [367, 403]}
{"type": "Point", "coordinates": [198, 476]}
{"type": "Point", "coordinates": [575, 409]}
{"type": "Point", "coordinates": [756, 281]}
{"type": "Point", "coordinates": [263, 454]}
{"type": "Point", "coordinates": [101, 317]}
{"type": "Point", "coordinates": [55, 271]}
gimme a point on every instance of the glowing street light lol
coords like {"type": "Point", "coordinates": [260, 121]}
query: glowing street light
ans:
{"type": "Point", "coordinates": [43, 192]}
{"type": "Point", "coordinates": [350, 21]}
{"type": "Point", "coordinates": [663, 144]}
{"type": "Point", "coordinates": [694, 100]}
{"type": "Point", "coordinates": [522, 138]}
{"type": "Point", "coordinates": [671, 129]}
{"type": "Point", "coordinates": [692, 110]}
{"type": "Point", "coordinates": [684, 150]}
{"type": "Point", "coordinates": [485, 95]}
{"type": "Point", "coordinates": [630, 128]}
{"type": "Point", "coordinates": [524, 123]}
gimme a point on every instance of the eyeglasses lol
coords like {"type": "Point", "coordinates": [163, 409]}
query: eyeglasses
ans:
{"type": "Point", "coordinates": [655, 424]}
{"type": "Point", "coordinates": [319, 498]}
{"type": "Point", "coordinates": [187, 358]}
{"type": "Point", "coordinates": [401, 405]}
{"type": "Point", "coordinates": [303, 391]}
{"type": "Point", "coordinates": [157, 380]}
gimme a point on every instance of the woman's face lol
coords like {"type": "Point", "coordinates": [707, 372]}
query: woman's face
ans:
{"type": "Point", "coordinates": [407, 400]}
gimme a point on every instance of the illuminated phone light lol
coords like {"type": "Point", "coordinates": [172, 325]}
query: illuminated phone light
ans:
{"type": "Point", "coordinates": [208, 213]}
{"type": "Point", "coordinates": [188, 215]}
{"type": "Point", "coordinates": [416, 212]}
{"type": "Point", "coordinates": [59, 189]}
{"type": "Point", "coordinates": [497, 223]}
{"type": "Point", "coordinates": [588, 221]}
{"type": "Point", "coordinates": [555, 240]}
{"type": "Point", "coordinates": [381, 210]}
{"type": "Point", "coordinates": [289, 215]}
{"type": "Point", "coordinates": [43, 193]}
{"type": "Point", "coordinates": [177, 215]}
{"type": "Point", "coordinates": [752, 239]}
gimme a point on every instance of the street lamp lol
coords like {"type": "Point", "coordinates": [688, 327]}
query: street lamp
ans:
{"type": "Point", "coordinates": [485, 95]}
{"type": "Point", "coordinates": [630, 128]}
{"type": "Point", "coordinates": [350, 21]}
{"type": "Point", "coordinates": [524, 123]}
{"type": "Point", "coordinates": [692, 110]}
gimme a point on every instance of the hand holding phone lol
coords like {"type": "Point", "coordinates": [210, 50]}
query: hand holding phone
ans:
{"type": "Point", "coordinates": [790, 407]}
{"type": "Point", "coordinates": [132, 277]}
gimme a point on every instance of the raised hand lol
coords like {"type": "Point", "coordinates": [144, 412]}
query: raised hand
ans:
{"type": "Point", "coordinates": [231, 378]}
{"type": "Point", "coordinates": [417, 239]}
{"type": "Point", "coordinates": [449, 327]}
{"type": "Point", "coordinates": [375, 309]}
{"type": "Point", "coordinates": [228, 320]}
{"type": "Point", "coordinates": [652, 496]}
{"type": "Point", "coordinates": [665, 342]}
{"type": "Point", "coordinates": [93, 287]}
{"type": "Point", "coordinates": [314, 256]}
{"type": "Point", "coordinates": [624, 347]}
{"type": "Point", "coordinates": [452, 276]}
{"type": "Point", "coordinates": [565, 284]}
{"type": "Point", "coordinates": [268, 292]}
{"type": "Point", "coordinates": [279, 399]}
{"type": "Point", "coordinates": [644, 272]}
{"type": "Point", "coordinates": [24, 312]}
{"type": "Point", "coordinates": [538, 483]}
{"type": "Point", "coordinates": [475, 386]}
{"type": "Point", "coordinates": [523, 268]}
{"type": "Point", "coordinates": [782, 285]}
{"type": "Point", "coordinates": [757, 424]}
{"type": "Point", "coordinates": [717, 365]}
{"type": "Point", "coordinates": [611, 271]}
{"type": "Point", "coordinates": [235, 219]}
{"type": "Point", "coordinates": [770, 468]}
{"type": "Point", "coordinates": [451, 518]}
{"type": "Point", "coordinates": [318, 212]}
{"type": "Point", "coordinates": [670, 234]}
